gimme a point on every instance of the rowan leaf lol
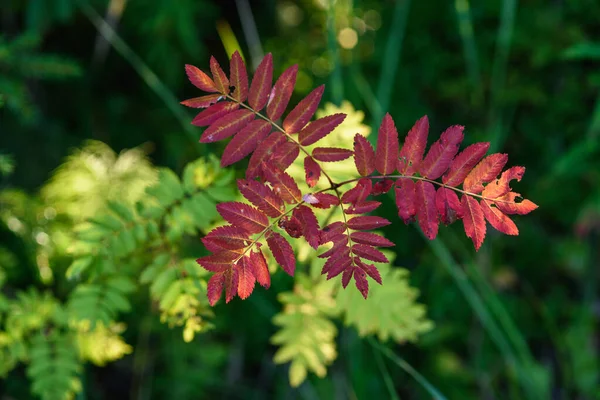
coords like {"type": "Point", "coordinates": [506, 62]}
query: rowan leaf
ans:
{"type": "Point", "coordinates": [441, 153]}
{"type": "Point", "coordinates": [246, 279]}
{"type": "Point", "coordinates": [239, 77]}
{"type": "Point", "coordinates": [282, 92]}
{"type": "Point", "coordinates": [360, 279]}
{"type": "Point", "coordinates": [245, 142]}
{"type": "Point", "coordinates": [370, 238]}
{"type": "Point", "coordinates": [283, 253]}
{"type": "Point", "coordinates": [448, 205]}
{"type": "Point", "coordinates": [500, 221]}
{"type": "Point", "coordinates": [500, 187]}
{"type": "Point", "coordinates": [369, 252]}
{"type": "Point", "coordinates": [202, 101]}
{"type": "Point", "coordinates": [331, 154]}
{"type": "Point", "coordinates": [473, 220]}
{"type": "Point", "coordinates": [508, 205]}
{"type": "Point", "coordinates": [386, 155]}
{"type": "Point", "coordinates": [310, 225]}
{"type": "Point", "coordinates": [464, 162]}
{"type": "Point", "coordinates": [346, 276]}
{"type": "Point", "coordinates": [219, 76]}
{"type": "Point", "coordinates": [413, 149]}
{"type": "Point", "coordinates": [365, 223]}
{"type": "Point", "coordinates": [226, 126]}
{"type": "Point", "coordinates": [200, 79]}
{"type": "Point", "coordinates": [318, 129]}
{"type": "Point", "coordinates": [484, 172]}
{"type": "Point", "coordinates": [312, 171]}
{"type": "Point", "coordinates": [214, 112]}
{"type": "Point", "coordinates": [225, 237]}
{"type": "Point", "coordinates": [243, 216]}
{"type": "Point", "coordinates": [285, 155]}
{"type": "Point", "coordinates": [262, 197]}
{"type": "Point", "coordinates": [358, 193]}
{"type": "Point", "coordinates": [364, 156]}
{"type": "Point", "coordinates": [261, 84]}
{"type": "Point", "coordinates": [283, 184]}
{"type": "Point", "coordinates": [426, 210]}
{"type": "Point", "coordinates": [263, 153]}
{"type": "Point", "coordinates": [259, 268]}
{"type": "Point", "coordinates": [214, 288]}
{"type": "Point", "coordinates": [363, 207]}
{"type": "Point", "coordinates": [304, 111]}
{"type": "Point", "coordinates": [406, 199]}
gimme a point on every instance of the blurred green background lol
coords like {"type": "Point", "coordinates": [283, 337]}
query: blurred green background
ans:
{"type": "Point", "coordinates": [517, 320]}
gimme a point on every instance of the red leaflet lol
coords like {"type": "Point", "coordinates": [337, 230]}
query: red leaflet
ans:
{"type": "Point", "coordinates": [405, 199]}
{"type": "Point", "coordinates": [508, 205]}
{"type": "Point", "coordinates": [331, 154]}
{"type": "Point", "coordinates": [369, 252]}
{"type": "Point", "coordinates": [484, 172]}
{"type": "Point", "coordinates": [225, 238]}
{"type": "Point", "coordinates": [303, 112]}
{"type": "Point", "coordinates": [447, 204]}
{"type": "Point", "coordinates": [312, 171]}
{"type": "Point", "coordinates": [283, 253]}
{"type": "Point", "coordinates": [440, 154]}
{"type": "Point", "coordinates": [359, 193]}
{"type": "Point", "coordinates": [426, 211]}
{"type": "Point", "coordinates": [262, 197]}
{"type": "Point", "coordinates": [337, 263]}
{"type": "Point", "coordinates": [382, 187]}
{"type": "Point", "coordinates": [320, 128]}
{"type": "Point", "coordinates": [226, 126]}
{"type": "Point", "coordinates": [214, 288]}
{"type": "Point", "coordinates": [386, 156]}
{"type": "Point", "coordinates": [372, 239]}
{"type": "Point", "coordinates": [360, 279]}
{"type": "Point", "coordinates": [364, 156]}
{"type": "Point", "coordinates": [259, 268]}
{"type": "Point", "coordinates": [261, 84]}
{"type": "Point", "coordinates": [220, 78]}
{"type": "Point", "coordinates": [283, 184]}
{"type": "Point", "coordinates": [231, 283]}
{"type": "Point", "coordinates": [263, 153]}
{"type": "Point", "coordinates": [331, 231]}
{"type": "Point", "coordinates": [413, 149]}
{"type": "Point", "coordinates": [239, 77]}
{"type": "Point", "coordinates": [281, 92]}
{"type": "Point", "coordinates": [464, 162]}
{"type": "Point", "coordinates": [218, 262]}
{"type": "Point", "coordinates": [291, 225]}
{"type": "Point", "coordinates": [245, 141]}
{"type": "Point", "coordinates": [324, 200]}
{"type": "Point", "coordinates": [246, 278]}
{"type": "Point", "coordinates": [203, 101]}
{"type": "Point", "coordinates": [473, 220]}
{"type": "Point", "coordinates": [340, 242]}
{"type": "Point", "coordinates": [367, 223]}
{"type": "Point", "coordinates": [346, 276]}
{"type": "Point", "coordinates": [243, 216]}
{"type": "Point", "coordinates": [285, 155]}
{"type": "Point", "coordinates": [371, 270]}
{"type": "Point", "coordinates": [310, 225]}
{"type": "Point", "coordinates": [498, 219]}
{"type": "Point", "coordinates": [363, 207]}
{"type": "Point", "coordinates": [214, 112]}
{"type": "Point", "coordinates": [200, 79]}
{"type": "Point", "coordinates": [500, 187]}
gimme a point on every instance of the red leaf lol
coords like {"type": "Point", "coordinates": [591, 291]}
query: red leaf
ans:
{"type": "Point", "coordinates": [200, 79]}
{"type": "Point", "coordinates": [386, 156]}
{"type": "Point", "coordinates": [440, 154]}
{"type": "Point", "coordinates": [339, 242]}
{"type": "Point", "coordinates": [325, 200]}
{"type": "Point", "coordinates": [331, 154]}
{"type": "Point", "coordinates": [346, 276]}
{"type": "Point", "coordinates": [447, 204]}
{"type": "Point", "coordinates": [214, 288]}
{"type": "Point", "coordinates": [426, 211]}
{"type": "Point", "coordinates": [369, 252]}
{"type": "Point", "coordinates": [202, 101]}
{"type": "Point", "coordinates": [312, 171]}
{"type": "Point", "coordinates": [281, 92]}
{"type": "Point", "coordinates": [364, 156]}
{"type": "Point", "coordinates": [245, 141]}
{"type": "Point", "coordinates": [310, 225]}
{"type": "Point", "coordinates": [220, 78]}
{"type": "Point", "coordinates": [225, 237]}
{"type": "Point", "coordinates": [363, 207]}
{"type": "Point", "coordinates": [473, 220]}
{"type": "Point", "coordinates": [283, 253]}
{"type": "Point", "coordinates": [464, 162]}
{"type": "Point", "coordinates": [371, 270]}
{"type": "Point", "coordinates": [508, 205]}
{"type": "Point", "coordinates": [218, 262]}
{"type": "Point", "coordinates": [303, 112]}
{"type": "Point", "coordinates": [231, 283]}
{"type": "Point", "coordinates": [360, 279]}
{"type": "Point", "coordinates": [263, 153]}
{"type": "Point", "coordinates": [337, 263]}
{"type": "Point", "coordinates": [319, 128]}
{"type": "Point", "coordinates": [405, 199]}
{"type": "Point", "coordinates": [226, 126]}
{"type": "Point", "coordinates": [413, 149]}
{"type": "Point", "coordinates": [359, 193]}
{"type": "Point", "coordinates": [283, 184]}
{"type": "Point", "coordinates": [372, 239]}
{"type": "Point", "coordinates": [261, 84]}
{"type": "Point", "coordinates": [291, 225]}
{"type": "Point", "coordinates": [262, 197]}
{"type": "Point", "coordinates": [332, 230]}
{"type": "Point", "coordinates": [484, 172]}
{"type": "Point", "coordinates": [367, 223]}
{"type": "Point", "coordinates": [259, 268]}
{"type": "Point", "coordinates": [246, 279]}
{"type": "Point", "coordinates": [214, 112]}
{"type": "Point", "coordinates": [285, 155]}
{"type": "Point", "coordinates": [498, 219]}
{"type": "Point", "coordinates": [239, 77]}
{"type": "Point", "coordinates": [500, 187]}
{"type": "Point", "coordinates": [243, 216]}
{"type": "Point", "coordinates": [382, 187]}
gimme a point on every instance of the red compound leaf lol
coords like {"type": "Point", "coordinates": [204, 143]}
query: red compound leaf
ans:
{"type": "Point", "coordinates": [261, 196]}
{"type": "Point", "coordinates": [281, 93]}
{"type": "Point", "coordinates": [285, 155]}
{"type": "Point", "coordinates": [214, 113]}
{"type": "Point", "coordinates": [263, 154]}
{"type": "Point", "coordinates": [464, 162]}
{"type": "Point", "coordinates": [220, 78]}
{"type": "Point", "coordinates": [226, 238]}
{"type": "Point", "coordinates": [386, 156]}
{"type": "Point", "coordinates": [447, 204]}
{"type": "Point", "coordinates": [283, 185]}
{"type": "Point", "coordinates": [312, 171]}
{"type": "Point", "coordinates": [319, 128]}
{"type": "Point", "coordinates": [310, 225]}
{"type": "Point", "coordinates": [364, 156]}
{"type": "Point", "coordinates": [243, 216]}
{"type": "Point", "coordinates": [331, 154]}
{"type": "Point", "coordinates": [303, 112]}
{"type": "Point", "coordinates": [406, 199]}
{"type": "Point", "coordinates": [366, 223]}
{"type": "Point", "coordinates": [369, 252]}
{"type": "Point", "coordinates": [473, 220]}
{"type": "Point", "coordinates": [245, 142]}
{"type": "Point", "coordinates": [202, 101]}
{"type": "Point", "coordinates": [426, 210]}
{"type": "Point", "coordinates": [441, 153]}
{"type": "Point", "coordinates": [239, 77]}
{"type": "Point", "coordinates": [484, 172]}
{"type": "Point", "coordinates": [370, 238]}
{"type": "Point", "coordinates": [413, 149]}
{"type": "Point", "coordinates": [261, 84]}
{"type": "Point", "coordinates": [226, 126]}
{"type": "Point", "coordinates": [282, 251]}
{"type": "Point", "coordinates": [200, 79]}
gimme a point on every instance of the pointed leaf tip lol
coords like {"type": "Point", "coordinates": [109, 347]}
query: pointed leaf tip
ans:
{"type": "Point", "coordinates": [386, 155]}
{"type": "Point", "coordinates": [303, 112]}
{"type": "Point", "coordinates": [200, 79]}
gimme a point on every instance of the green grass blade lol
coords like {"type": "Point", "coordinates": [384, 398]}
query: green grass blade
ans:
{"type": "Point", "coordinates": [465, 29]}
{"type": "Point", "coordinates": [336, 82]}
{"type": "Point", "coordinates": [389, 384]}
